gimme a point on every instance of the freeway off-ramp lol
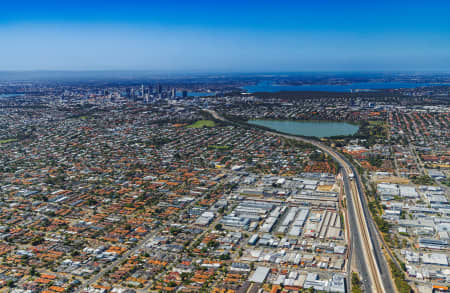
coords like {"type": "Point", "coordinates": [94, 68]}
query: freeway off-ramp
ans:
{"type": "Point", "coordinates": [370, 261]}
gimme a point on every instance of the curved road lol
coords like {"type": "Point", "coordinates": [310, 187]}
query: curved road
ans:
{"type": "Point", "coordinates": [370, 261]}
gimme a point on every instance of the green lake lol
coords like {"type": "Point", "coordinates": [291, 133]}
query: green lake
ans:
{"type": "Point", "coordinates": [309, 128]}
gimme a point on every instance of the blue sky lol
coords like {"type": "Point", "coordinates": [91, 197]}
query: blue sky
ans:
{"type": "Point", "coordinates": [237, 36]}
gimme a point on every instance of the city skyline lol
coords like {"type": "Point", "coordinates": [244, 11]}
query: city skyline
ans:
{"type": "Point", "coordinates": [224, 146]}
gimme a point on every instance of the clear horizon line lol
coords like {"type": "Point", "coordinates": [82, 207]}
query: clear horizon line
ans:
{"type": "Point", "coordinates": [188, 71]}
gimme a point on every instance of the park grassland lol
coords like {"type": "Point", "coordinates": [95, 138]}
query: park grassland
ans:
{"type": "Point", "coordinates": [219, 147]}
{"type": "Point", "coordinates": [377, 122]}
{"type": "Point", "coordinates": [202, 123]}
{"type": "Point", "coordinates": [7, 140]}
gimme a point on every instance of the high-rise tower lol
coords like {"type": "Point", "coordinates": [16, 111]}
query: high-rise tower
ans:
{"type": "Point", "coordinates": [174, 93]}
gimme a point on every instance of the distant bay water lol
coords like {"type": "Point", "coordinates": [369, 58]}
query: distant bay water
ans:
{"type": "Point", "coordinates": [309, 128]}
{"type": "Point", "coordinates": [271, 87]}
{"type": "Point", "coordinates": [10, 95]}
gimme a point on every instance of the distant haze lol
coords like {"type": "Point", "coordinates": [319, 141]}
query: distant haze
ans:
{"type": "Point", "coordinates": [232, 36]}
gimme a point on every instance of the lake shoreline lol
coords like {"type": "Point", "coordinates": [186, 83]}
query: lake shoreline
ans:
{"type": "Point", "coordinates": [310, 120]}
{"type": "Point", "coordinates": [309, 128]}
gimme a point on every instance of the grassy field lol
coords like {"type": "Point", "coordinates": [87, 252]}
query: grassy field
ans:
{"type": "Point", "coordinates": [8, 140]}
{"type": "Point", "coordinates": [377, 122]}
{"type": "Point", "coordinates": [202, 123]}
{"type": "Point", "coordinates": [392, 179]}
{"type": "Point", "coordinates": [219, 147]}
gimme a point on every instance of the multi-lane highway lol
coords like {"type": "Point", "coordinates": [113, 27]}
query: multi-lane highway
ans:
{"type": "Point", "coordinates": [365, 247]}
